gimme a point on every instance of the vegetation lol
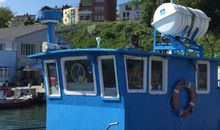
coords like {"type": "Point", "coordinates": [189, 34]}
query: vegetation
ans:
{"type": "Point", "coordinates": [5, 15]}
{"type": "Point", "coordinates": [113, 34]}
{"type": "Point", "coordinates": [117, 35]}
{"type": "Point", "coordinates": [210, 7]}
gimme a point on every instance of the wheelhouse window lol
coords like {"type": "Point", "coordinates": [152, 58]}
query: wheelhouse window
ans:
{"type": "Point", "coordinates": [108, 77]}
{"type": "Point", "coordinates": [135, 68]}
{"type": "Point", "coordinates": [158, 75]}
{"type": "Point", "coordinates": [52, 79]}
{"type": "Point", "coordinates": [203, 77]}
{"type": "Point", "coordinates": [79, 76]}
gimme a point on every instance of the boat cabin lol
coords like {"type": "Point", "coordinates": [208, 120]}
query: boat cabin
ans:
{"type": "Point", "coordinates": [93, 89]}
{"type": "Point", "coordinates": [131, 89]}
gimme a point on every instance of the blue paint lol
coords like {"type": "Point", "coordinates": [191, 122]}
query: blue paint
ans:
{"type": "Point", "coordinates": [50, 32]}
{"type": "Point", "coordinates": [50, 18]}
{"type": "Point", "coordinates": [11, 64]}
{"type": "Point", "coordinates": [181, 45]}
{"type": "Point", "coordinates": [133, 110]}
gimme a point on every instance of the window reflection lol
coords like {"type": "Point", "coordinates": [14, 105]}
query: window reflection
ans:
{"type": "Point", "coordinates": [109, 79]}
{"type": "Point", "coordinates": [135, 69]}
{"type": "Point", "coordinates": [156, 75]}
{"type": "Point", "coordinates": [202, 76]}
{"type": "Point", "coordinates": [78, 76]}
{"type": "Point", "coordinates": [53, 85]}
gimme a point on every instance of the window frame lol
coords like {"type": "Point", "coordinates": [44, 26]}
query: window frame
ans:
{"type": "Point", "coordinates": [208, 77]}
{"type": "Point", "coordinates": [144, 90]}
{"type": "Point", "coordinates": [78, 93]}
{"type": "Point", "coordinates": [47, 80]}
{"type": "Point", "coordinates": [100, 58]}
{"type": "Point", "coordinates": [5, 72]}
{"type": "Point", "coordinates": [218, 77]}
{"type": "Point", "coordinates": [27, 49]}
{"type": "Point", "coordinates": [2, 46]}
{"type": "Point", "coordinates": [164, 75]}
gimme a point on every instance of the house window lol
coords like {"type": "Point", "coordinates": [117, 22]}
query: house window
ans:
{"type": "Point", "coordinates": [124, 15]}
{"type": "Point", "coordinates": [203, 77]}
{"type": "Point", "coordinates": [128, 7]}
{"type": "Point", "coordinates": [158, 75]}
{"type": "Point", "coordinates": [128, 14]}
{"type": "Point", "coordinates": [52, 78]}
{"type": "Point", "coordinates": [108, 77]}
{"type": "Point", "coordinates": [99, 0]}
{"type": "Point", "coordinates": [4, 72]}
{"type": "Point", "coordinates": [86, 3]}
{"type": "Point", "coordinates": [79, 76]}
{"type": "Point", "coordinates": [2, 46]}
{"type": "Point", "coordinates": [88, 17]}
{"type": "Point", "coordinates": [27, 49]}
{"type": "Point", "coordinates": [99, 9]}
{"type": "Point", "coordinates": [73, 12]}
{"type": "Point", "coordinates": [99, 18]}
{"type": "Point", "coordinates": [136, 73]}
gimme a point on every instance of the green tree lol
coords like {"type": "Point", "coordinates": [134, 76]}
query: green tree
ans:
{"type": "Point", "coordinates": [210, 7]}
{"type": "Point", "coordinates": [5, 15]}
{"type": "Point", "coordinates": [148, 8]}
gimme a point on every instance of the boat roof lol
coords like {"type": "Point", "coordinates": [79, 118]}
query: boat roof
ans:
{"type": "Point", "coordinates": [129, 51]}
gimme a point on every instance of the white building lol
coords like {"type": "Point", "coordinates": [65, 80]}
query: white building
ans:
{"type": "Point", "coordinates": [71, 15]}
{"type": "Point", "coordinates": [129, 11]}
{"type": "Point", "coordinates": [16, 44]}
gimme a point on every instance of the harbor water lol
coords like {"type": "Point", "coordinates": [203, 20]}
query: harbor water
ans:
{"type": "Point", "coordinates": [33, 117]}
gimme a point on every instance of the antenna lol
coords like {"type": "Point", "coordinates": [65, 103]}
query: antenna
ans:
{"type": "Point", "coordinates": [98, 39]}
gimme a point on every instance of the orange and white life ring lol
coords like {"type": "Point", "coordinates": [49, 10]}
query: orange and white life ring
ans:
{"type": "Point", "coordinates": [175, 100]}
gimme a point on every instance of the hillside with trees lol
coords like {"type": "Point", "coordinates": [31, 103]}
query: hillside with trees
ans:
{"type": "Point", "coordinates": [117, 34]}
{"type": "Point", "coordinates": [5, 15]}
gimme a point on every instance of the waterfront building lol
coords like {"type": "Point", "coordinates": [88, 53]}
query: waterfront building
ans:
{"type": "Point", "coordinates": [129, 11]}
{"type": "Point", "coordinates": [16, 44]}
{"type": "Point", "coordinates": [97, 10]}
{"type": "Point", "coordinates": [7, 66]}
{"type": "Point", "coordinates": [71, 15]}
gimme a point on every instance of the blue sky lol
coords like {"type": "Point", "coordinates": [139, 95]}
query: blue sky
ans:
{"type": "Point", "coordinates": [20, 7]}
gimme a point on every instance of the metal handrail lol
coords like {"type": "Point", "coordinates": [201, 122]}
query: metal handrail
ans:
{"type": "Point", "coordinates": [218, 83]}
{"type": "Point", "coordinates": [112, 124]}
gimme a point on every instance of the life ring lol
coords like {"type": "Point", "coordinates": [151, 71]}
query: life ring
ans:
{"type": "Point", "coordinates": [188, 110]}
{"type": "Point", "coordinates": [78, 72]}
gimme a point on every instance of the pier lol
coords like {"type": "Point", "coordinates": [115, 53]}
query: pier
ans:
{"type": "Point", "coordinates": [37, 91]}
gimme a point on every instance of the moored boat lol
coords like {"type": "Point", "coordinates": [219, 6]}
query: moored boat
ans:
{"type": "Point", "coordinates": [13, 103]}
{"type": "Point", "coordinates": [128, 89]}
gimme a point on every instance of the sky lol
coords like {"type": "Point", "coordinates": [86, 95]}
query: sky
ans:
{"type": "Point", "coordinates": [20, 7]}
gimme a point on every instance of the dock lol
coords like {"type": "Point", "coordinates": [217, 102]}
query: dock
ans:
{"type": "Point", "coordinates": [37, 91]}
